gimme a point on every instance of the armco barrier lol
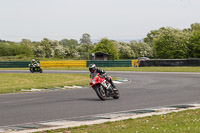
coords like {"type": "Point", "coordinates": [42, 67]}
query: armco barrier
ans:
{"type": "Point", "coordinates": [63, 64]}
{"type": "Point", "coordinates": [117, 63]}
{"type": "Point", "coordinates": [67, 64]}
{"type": "Point", "coordinates": [14, 64]}
{"type": "Point", "coordinates": [171, 62]}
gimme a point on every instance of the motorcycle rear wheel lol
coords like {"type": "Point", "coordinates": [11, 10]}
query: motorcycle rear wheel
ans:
{"type": "Point", "coordinates": [40, 70]}
{"type": "Point", "coordinates": [116, 94]}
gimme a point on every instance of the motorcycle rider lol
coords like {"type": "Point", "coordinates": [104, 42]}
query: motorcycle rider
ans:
{"type": "Point", "coordinates": [93, 69]}
{"type": "Point", "coordinates": [33, 63]}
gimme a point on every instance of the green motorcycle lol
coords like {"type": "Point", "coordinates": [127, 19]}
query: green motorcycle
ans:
{"type": "Point", "coordinates": [35, 68]}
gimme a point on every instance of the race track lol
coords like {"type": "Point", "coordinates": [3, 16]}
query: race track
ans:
{"type": "Point", "coordinates": [144, 90]}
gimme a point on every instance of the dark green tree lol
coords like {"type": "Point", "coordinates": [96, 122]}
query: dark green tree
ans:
{"type": "Point", "coordinates": [25, 42]}
{"type": "Point", "coordinates": [84, 50]}
{"type": "Point", "coordinates": [150, 36]}
{"type": "Point", "coordinates": [47, 47]}
{"type": "Point", "coordinates": [14, 49]}
{"type": "Point", "coordinates": [107, 46]}
{"type": "Point", "coordinates": [69, 43]}
{"type": "Point", "coordinates": [171, 44]}
{"type": "Point", "coordinates": [195, 27]}
{"type": "Point", "coordinates": [194, 44]}
{"type": "Point", "coordinates": [86, 39]}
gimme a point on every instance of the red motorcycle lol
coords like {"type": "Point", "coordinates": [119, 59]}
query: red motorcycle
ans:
{"type": "Point", "coordinates": [102, 87]}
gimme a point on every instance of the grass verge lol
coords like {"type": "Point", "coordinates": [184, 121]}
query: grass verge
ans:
{"type": "Point", "coordinates": [14, 82]}
{"type": "Point", "coordinates": [136, 69]}
{"type": "Point", "coordinates": [153, 69]}
{"type": "Point", "coordinates": [180, 122]}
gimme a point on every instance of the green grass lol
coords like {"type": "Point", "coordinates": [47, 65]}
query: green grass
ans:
{"type": "Point", "coordinates": [136, 69]}
{"type": "Point", "coordinates": [14, 82]}
{"type": "Point", "coordinates": [181, 122]}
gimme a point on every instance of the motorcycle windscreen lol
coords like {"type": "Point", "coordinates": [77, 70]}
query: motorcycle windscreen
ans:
{"type": "Point", "coordinates": [93, 75]}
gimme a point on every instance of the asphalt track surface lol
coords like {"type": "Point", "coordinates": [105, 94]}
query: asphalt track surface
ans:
{"type": "Point", "coordinates": [144, 90]}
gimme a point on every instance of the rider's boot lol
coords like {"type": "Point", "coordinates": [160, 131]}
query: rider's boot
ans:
{"type": "Point", "coordinates": [115, 90]}
{"type": "Point", "coordinates": [113, 85]}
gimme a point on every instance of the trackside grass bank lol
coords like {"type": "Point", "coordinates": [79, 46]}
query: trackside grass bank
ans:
{"type": "Point", "coordinates": [14, 82]}
{"type": "Point", "coordinates": [137, 69]}
{"type": "Point", "coordinates": [180, 122]}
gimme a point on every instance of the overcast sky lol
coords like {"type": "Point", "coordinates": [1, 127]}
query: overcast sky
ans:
{"type": "Point", "coordinates": [114, 19]}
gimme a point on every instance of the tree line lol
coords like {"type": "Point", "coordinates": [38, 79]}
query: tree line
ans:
{"type": "Point", "coordinates": [163, 43]}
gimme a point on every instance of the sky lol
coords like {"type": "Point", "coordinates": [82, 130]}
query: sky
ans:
{"type": "Point", "coordinates": [112, 19]}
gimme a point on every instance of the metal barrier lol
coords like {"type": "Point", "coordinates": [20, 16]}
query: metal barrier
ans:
{"type": "Point", "coordinates": [117, 63]}
{"type": "Point", "coordinates": [14, 64]}
{"type": "Point", "coordinates": [63, 64]}
{"type": "Point", "coordinates": [171, 62]}
{"type": "Point", "coordinates": [69, 64]}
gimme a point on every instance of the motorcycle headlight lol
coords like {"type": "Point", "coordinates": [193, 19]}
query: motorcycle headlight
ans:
{"type": "Point", "coordinates": [93, 81]}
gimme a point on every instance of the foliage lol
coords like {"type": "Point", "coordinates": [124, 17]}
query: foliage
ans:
{"type": "Point", "coordinates": [47, 47]}
{"type": "Point", "coordinates": [169, 43]}
{"type": "Point", "coordinates": [166, 42]}
{"type": "Point", "coordinates": [84, 50]}
{"type": "Point", "coordinates": [141, 49]}
{"type": "Point", "coordinates": [150, 36]}
{"type": "Point", "coordinates": [134, 49]}
{"type": "Point", "coordinates": [195, 44]}
{"type": "Point", "coordinates": [173, 43]}
{"type": "Point", "coordinates": [195, 27]}
{"type": "Point", "coordinates": [13, 49]}
{"type": "Point", "coordinates": [69, 43]}
{"type": "Point", "coordinates": [86, 39]}
{"type": "Point", "coordinates": [38, 50]}
{"type": "Point", "coordinates": [107, 46]}
{"type": "Point", "coordinates": [124, 50]}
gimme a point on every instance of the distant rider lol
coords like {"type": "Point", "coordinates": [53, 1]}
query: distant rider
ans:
{"type": "Point", "coordinates": [34, 63]}
{"type": "Point", "coordinates": [93, 69]}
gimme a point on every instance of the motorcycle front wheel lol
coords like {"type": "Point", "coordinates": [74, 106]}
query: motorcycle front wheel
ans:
{"type": "Point", "coordinates": [101, 93]}
{"type": "Point", "coordinates": [31, 70]}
